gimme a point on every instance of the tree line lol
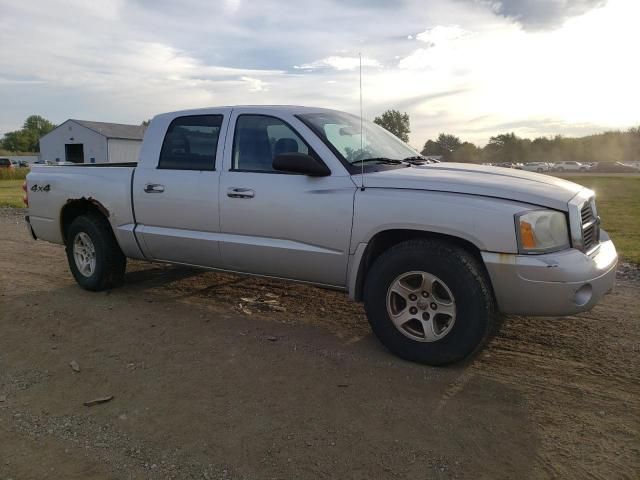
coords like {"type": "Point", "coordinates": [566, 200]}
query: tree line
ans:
{"type": "Point", "coordinates": [614, 146]}
{"type": "Point", "coordinates": [27, 138]}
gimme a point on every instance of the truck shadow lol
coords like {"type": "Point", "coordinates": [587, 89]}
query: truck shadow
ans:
{"type": "Point", "coordinates": [147, 275]}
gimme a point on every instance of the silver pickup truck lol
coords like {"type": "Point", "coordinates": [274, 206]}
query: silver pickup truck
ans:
{"type": "Point", "coordinates": [434, 251]}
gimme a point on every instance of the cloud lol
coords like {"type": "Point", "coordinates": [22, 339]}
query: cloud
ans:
{"type": "Point", "coordinates": [456, 66]}
{"type": "Point", "coordinates": [19, 81]}
{"type": "Point", "coordinates": [541, 14]}
{"type": "Point", "coordinates": [441, 41]}
{"type": "Point", "coordinates": [231, 6]}
{"type": "Point", "coordinates": [339, 63]}
{"type": "Point", "coordinates": [255, 84]}
{"type": "Point", "coordinates": [442, 34]}
{"type": "Point", "coordinates": [556, 81]}
{"type": "Point", "coordinates": [411, 102]}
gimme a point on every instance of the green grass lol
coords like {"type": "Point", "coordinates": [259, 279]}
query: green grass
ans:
{"type": "Point", "coordinates": [618, 203]}
{"type": "Point", "coordinates": [13, 173]}
{"type": "Point", "coordinates": [11, 193]}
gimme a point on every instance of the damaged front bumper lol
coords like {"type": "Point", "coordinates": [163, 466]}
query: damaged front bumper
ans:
{"type": "Point", "coordinates": [553, 284]}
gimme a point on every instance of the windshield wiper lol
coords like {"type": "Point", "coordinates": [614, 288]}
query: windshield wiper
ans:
{"type": "Point", "coordinates": [416, 160]}
{"type": "Point", "coordinates": [383, 160]}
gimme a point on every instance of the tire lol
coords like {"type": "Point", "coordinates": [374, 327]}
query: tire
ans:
{"type": "Point", "coordinates": [560, 169]}
{"type": "Point", "coordinates": [464, 277]}
{"type": "Point", "coordinates": [539, 170]}
{"type": "Point", "coordinates": [582, 169]}
{"type": "Point", "coordinates": [109, 263]}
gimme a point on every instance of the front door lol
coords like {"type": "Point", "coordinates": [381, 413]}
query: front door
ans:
{"type": "Point", "coordinates": [278, 224]}
{"type": "Point", "coordinates": [176, 196]}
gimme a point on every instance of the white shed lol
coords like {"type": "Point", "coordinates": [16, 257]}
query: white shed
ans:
{"type": "Point", "coordinates": [81, 141]}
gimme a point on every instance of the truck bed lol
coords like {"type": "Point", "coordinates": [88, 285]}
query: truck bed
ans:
{"type": "Point", "coordinates": [52, 187]}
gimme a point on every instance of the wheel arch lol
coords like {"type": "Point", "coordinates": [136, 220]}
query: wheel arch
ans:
{"type": "Point", "coordinates": [77, 207]}
{"type": "Point", "coordinates": [386, 239]}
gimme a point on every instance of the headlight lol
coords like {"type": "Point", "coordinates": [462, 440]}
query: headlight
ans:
{"type": "Point", "coordinates": [541, 231]}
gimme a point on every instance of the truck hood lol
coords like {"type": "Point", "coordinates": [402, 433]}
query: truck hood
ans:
{"type": "Point", "coordinates": [507, 183]}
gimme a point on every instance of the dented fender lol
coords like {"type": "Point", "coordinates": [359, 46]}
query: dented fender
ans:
{"type": "Point", "coordinates": [108, 190]}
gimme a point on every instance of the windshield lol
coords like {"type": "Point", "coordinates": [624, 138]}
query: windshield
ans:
{"type": "Point", "coordinates": [342, 132]}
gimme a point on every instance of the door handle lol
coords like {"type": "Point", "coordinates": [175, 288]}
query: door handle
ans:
{"type": "Point", "coordinates": [235, 192]}
{"type": "Point", "coordinates": [153, 188]}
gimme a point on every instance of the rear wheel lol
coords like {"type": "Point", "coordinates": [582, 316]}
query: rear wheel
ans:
{"type": "Point", "coordinates": [94, 257]}
{"type": "Point", "coordinates": [560, 169]}
{"type": "Point", "coordinates": [539, 170]}
{"type": "Point", "coordinates": [429, 302]}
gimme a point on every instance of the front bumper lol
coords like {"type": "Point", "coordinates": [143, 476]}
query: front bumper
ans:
{"type": "Point", "coordinates": [552, 284]}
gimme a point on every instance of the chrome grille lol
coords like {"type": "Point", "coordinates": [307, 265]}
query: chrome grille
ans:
{"type": "Point", "coordinates": [590, 225]}
{"type": "Point", "coordinates": [586, 213]}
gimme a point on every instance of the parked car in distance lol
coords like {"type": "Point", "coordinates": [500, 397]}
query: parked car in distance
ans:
{"type": "Point", "coordinates": [5, 163]}
{"type": "Point", "coordinates": [635, 165]}
{"type": "Point", "coordinates": [571, 167]}
{"type": "Point", "coordinates": [617, 167]}
{"type": "Point", "coordinates": [434, 250]}
{"type": "Point", "coordinates": [539, 167]}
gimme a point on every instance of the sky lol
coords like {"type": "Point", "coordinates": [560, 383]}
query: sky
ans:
{"type": "Point", "coordinates": [474, 68]}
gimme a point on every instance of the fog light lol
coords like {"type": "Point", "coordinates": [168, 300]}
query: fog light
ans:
{"type": "Point", "coordinates": [583, 295]}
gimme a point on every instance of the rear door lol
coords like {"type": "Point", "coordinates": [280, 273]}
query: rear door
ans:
{"type": "Point", "coordinates": [279, 224]}
{"type": "Point", "coordinates": [175, 189]}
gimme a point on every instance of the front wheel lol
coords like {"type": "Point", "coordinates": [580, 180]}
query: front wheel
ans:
{"type": "Point", "coordinates": [429, 301]}
{"type": "Point", "coordinates": [94, 256]}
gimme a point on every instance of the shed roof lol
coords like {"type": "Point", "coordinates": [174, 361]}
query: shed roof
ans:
{"type": "Point", "coordinates": [114, 130]}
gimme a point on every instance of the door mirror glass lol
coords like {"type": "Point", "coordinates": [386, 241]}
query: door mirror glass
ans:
{"type": "Point", "coordinates": [300, 163]}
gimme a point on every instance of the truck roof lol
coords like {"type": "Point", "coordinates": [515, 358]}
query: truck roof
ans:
{"type": "Point", "coordinates": [274, 108]}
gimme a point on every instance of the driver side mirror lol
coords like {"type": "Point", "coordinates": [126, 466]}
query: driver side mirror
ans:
{"type": "Point", "coordinates": [300, 163]}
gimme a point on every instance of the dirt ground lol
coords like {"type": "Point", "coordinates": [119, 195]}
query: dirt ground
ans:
{"type": "Point", "coordinates": [218, 376]}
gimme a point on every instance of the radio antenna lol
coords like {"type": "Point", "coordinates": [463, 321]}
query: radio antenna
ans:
{"type": "Point", "coordinates": [361, 138]}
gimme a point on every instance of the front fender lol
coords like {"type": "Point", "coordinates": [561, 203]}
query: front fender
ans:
{"type": "Point", "coordinates": [485, 222]}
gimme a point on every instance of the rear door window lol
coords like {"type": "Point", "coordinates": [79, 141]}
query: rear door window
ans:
{"type": "Point", "coordinates": [191, 143]}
